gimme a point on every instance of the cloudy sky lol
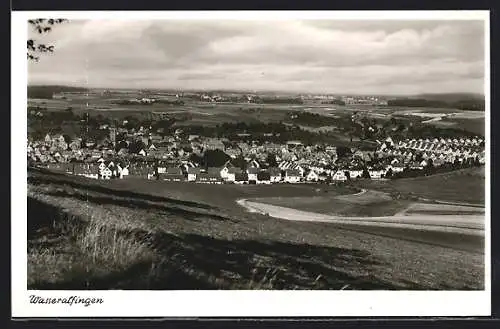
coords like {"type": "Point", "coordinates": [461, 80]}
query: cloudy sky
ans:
{"type": "Point", "coordinates": [360, 57]}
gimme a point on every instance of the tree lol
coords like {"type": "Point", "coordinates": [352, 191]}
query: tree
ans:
{"type": "Point", "coordinates": [215, 158]}
{"type": "Point", "coordinates": [389, 173]}
{"type": "Point", "coordinates": [67, 138]}
{"type": "Point", "coordinates": [476, 161]}
{"type": "Point", "coordinates": [348, 175]}
{"type": "Point", "coordinates": [240, 162]}
{"type": "Point", "coordinates": [343, 151]}
{"type": "Point", "coordinates": [429, 168]}
{"type": "Point", "coordinates": [136, 147]}
{"type": "Point", "coordinates": [195, 158]}
{"type": "Point", "coordinates": [271, 160]}
{"type": "Point", "coordinates": [41, 26]}
{"type": "Point", "coordinates": [365, 174]}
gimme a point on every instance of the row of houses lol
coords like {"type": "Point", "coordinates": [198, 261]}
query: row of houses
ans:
{"type": "Point", "coordinates": [438, 150]}
{"type": "Point", "coordinates": [102, 169]}
{"type": "Point", "coordinates": [284, 173]}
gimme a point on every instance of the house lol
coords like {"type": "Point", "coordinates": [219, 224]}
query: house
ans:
{"type": "Point", "coordinates": [122, 170]}
{"type": "Point", "coordinates": [192, 173]}
{"type": "Point", "coordinates": [161, 169]}
{"type": "Point", "coordinates": [102, 165]}
{"type": "Point", "coordinates": [339, 175]}
{"type": "Point", "coordinates": [416, 166]}
{"type": "Point", "coordinates": [225, 169]}
{"type": "Point", "coordinates": [355, 173]}
{"type": "Point", "coordinates": [230, 176]}
{"type": "Point", "coordinates": [275, 174]}
{"type": "Point", "coordinates": [312, 176]}
{"type": "Point", "coordinates": [87, 170]}
{"type": "Point", "coordinates": [142, 152]}
{"type": "Point", "coordinates": [105, 173]}
{"type": "Point", "coordinates": [292, 176]}
{"type": "Point", "coordinates": [323, 176]}
{"type": "Point", "coordinates": [214, 144]}
{"type": "Point", "coordinates": [252, 174]}
{"type": "Point", "coordinates": [376, 173]}
{"type": "Point", "coordinates": [241, 178]}
{"type": "Point", "coordinates": [211, 176]}
{"type": "Point", "coordinates": [172, 174]}
{"type": "Point", "coordinates": [114, 170]}
{"type": "Point", "coordinates": [263, 177]}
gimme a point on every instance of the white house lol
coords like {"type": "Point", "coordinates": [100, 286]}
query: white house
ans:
{"type": "Point", "coordinates": [106, 173]}
{"type": "Point", "coordinates": [376, 173]}
{"type": "Point", "coordinates": [122, 171]}
{"type": "Point", "coordinates": [192, 174]}
{"type": "Point", "coordinates": [292, 176]}
{"type": "Point", "coordinates": [102, 166]}
{"type": "Point", "coordinates": [355, 173]}
{"type": "Point", "coordinates": [252, 174]}
{"type": "Point", "coordinates": [230, 174]}
{"type": "Point", "coordinates": [396, 168]}
{"type": "Point", "coordinates": [224, 171]}
{"type": "Point", "coordinates": [312, 176]}
{"type": "Point", "coordinates": [339, 175]}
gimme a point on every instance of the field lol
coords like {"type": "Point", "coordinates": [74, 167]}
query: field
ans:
{"type": "Point", "coordinates": [87, 234]}
{"type": "Point", "coordinates": [461, 186]}
{"type": "Point", "coordinates": [447, 187]}
{"type": "Point", "coordinates": [210, 114]}
{"type": "Point", "coordinates": [369, 204]}
{"type": "Point", "coordinates": [441, 209]}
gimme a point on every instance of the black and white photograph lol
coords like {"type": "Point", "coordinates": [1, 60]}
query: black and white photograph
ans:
{"type": "Point", "coordinates": [184, 154]}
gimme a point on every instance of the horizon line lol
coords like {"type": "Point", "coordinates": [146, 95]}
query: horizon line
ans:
{"type": "Point", "coordinates": [241, 90]}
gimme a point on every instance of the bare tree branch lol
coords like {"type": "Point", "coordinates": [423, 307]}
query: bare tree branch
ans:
{"type": "Point", "coordinates": [41, 25]}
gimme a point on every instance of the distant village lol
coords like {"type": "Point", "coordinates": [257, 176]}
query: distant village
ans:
{"type": "Point", "coordinates": [147, 155]}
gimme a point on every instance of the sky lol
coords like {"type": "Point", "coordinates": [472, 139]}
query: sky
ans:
{"type": "Point", "coordinates": [315, 56]}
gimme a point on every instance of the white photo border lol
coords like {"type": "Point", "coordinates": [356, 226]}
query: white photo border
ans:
{"type": "Point", "coordinates": [118, 303]}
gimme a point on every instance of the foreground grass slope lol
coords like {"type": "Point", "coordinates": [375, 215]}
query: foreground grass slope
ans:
{"type": "Point", "coordinates": [87, 234]}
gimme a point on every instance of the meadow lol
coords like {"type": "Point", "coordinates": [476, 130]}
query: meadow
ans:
{"type": "Point", "coordinates": [466, 186]}
{"type": "Point", "coordinates": [368, 204]}
{"type": "Point", "coordinates": [211, 114]}
{"type": "Point", "coordinates": [88, 234]}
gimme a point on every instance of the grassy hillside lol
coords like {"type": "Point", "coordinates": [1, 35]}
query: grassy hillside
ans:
{"type": "Point", "coordinates": [88, 234]}
{"type": "Point", "coordinates": [461, 186]}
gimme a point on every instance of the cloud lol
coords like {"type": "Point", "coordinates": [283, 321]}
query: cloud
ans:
{"type": "Point", "coordinates": [325, 56]}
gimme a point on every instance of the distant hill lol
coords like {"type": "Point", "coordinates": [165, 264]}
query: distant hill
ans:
{"type": "Point", "coordinates": [46, 92]}
{"type": "Point", "coordinates": [461, 101]}
{"type": "Point", "coordinates": [451, 97]}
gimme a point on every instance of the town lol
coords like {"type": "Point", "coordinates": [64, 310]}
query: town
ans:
{"type": "Point", "coordinates": [194, 158]}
